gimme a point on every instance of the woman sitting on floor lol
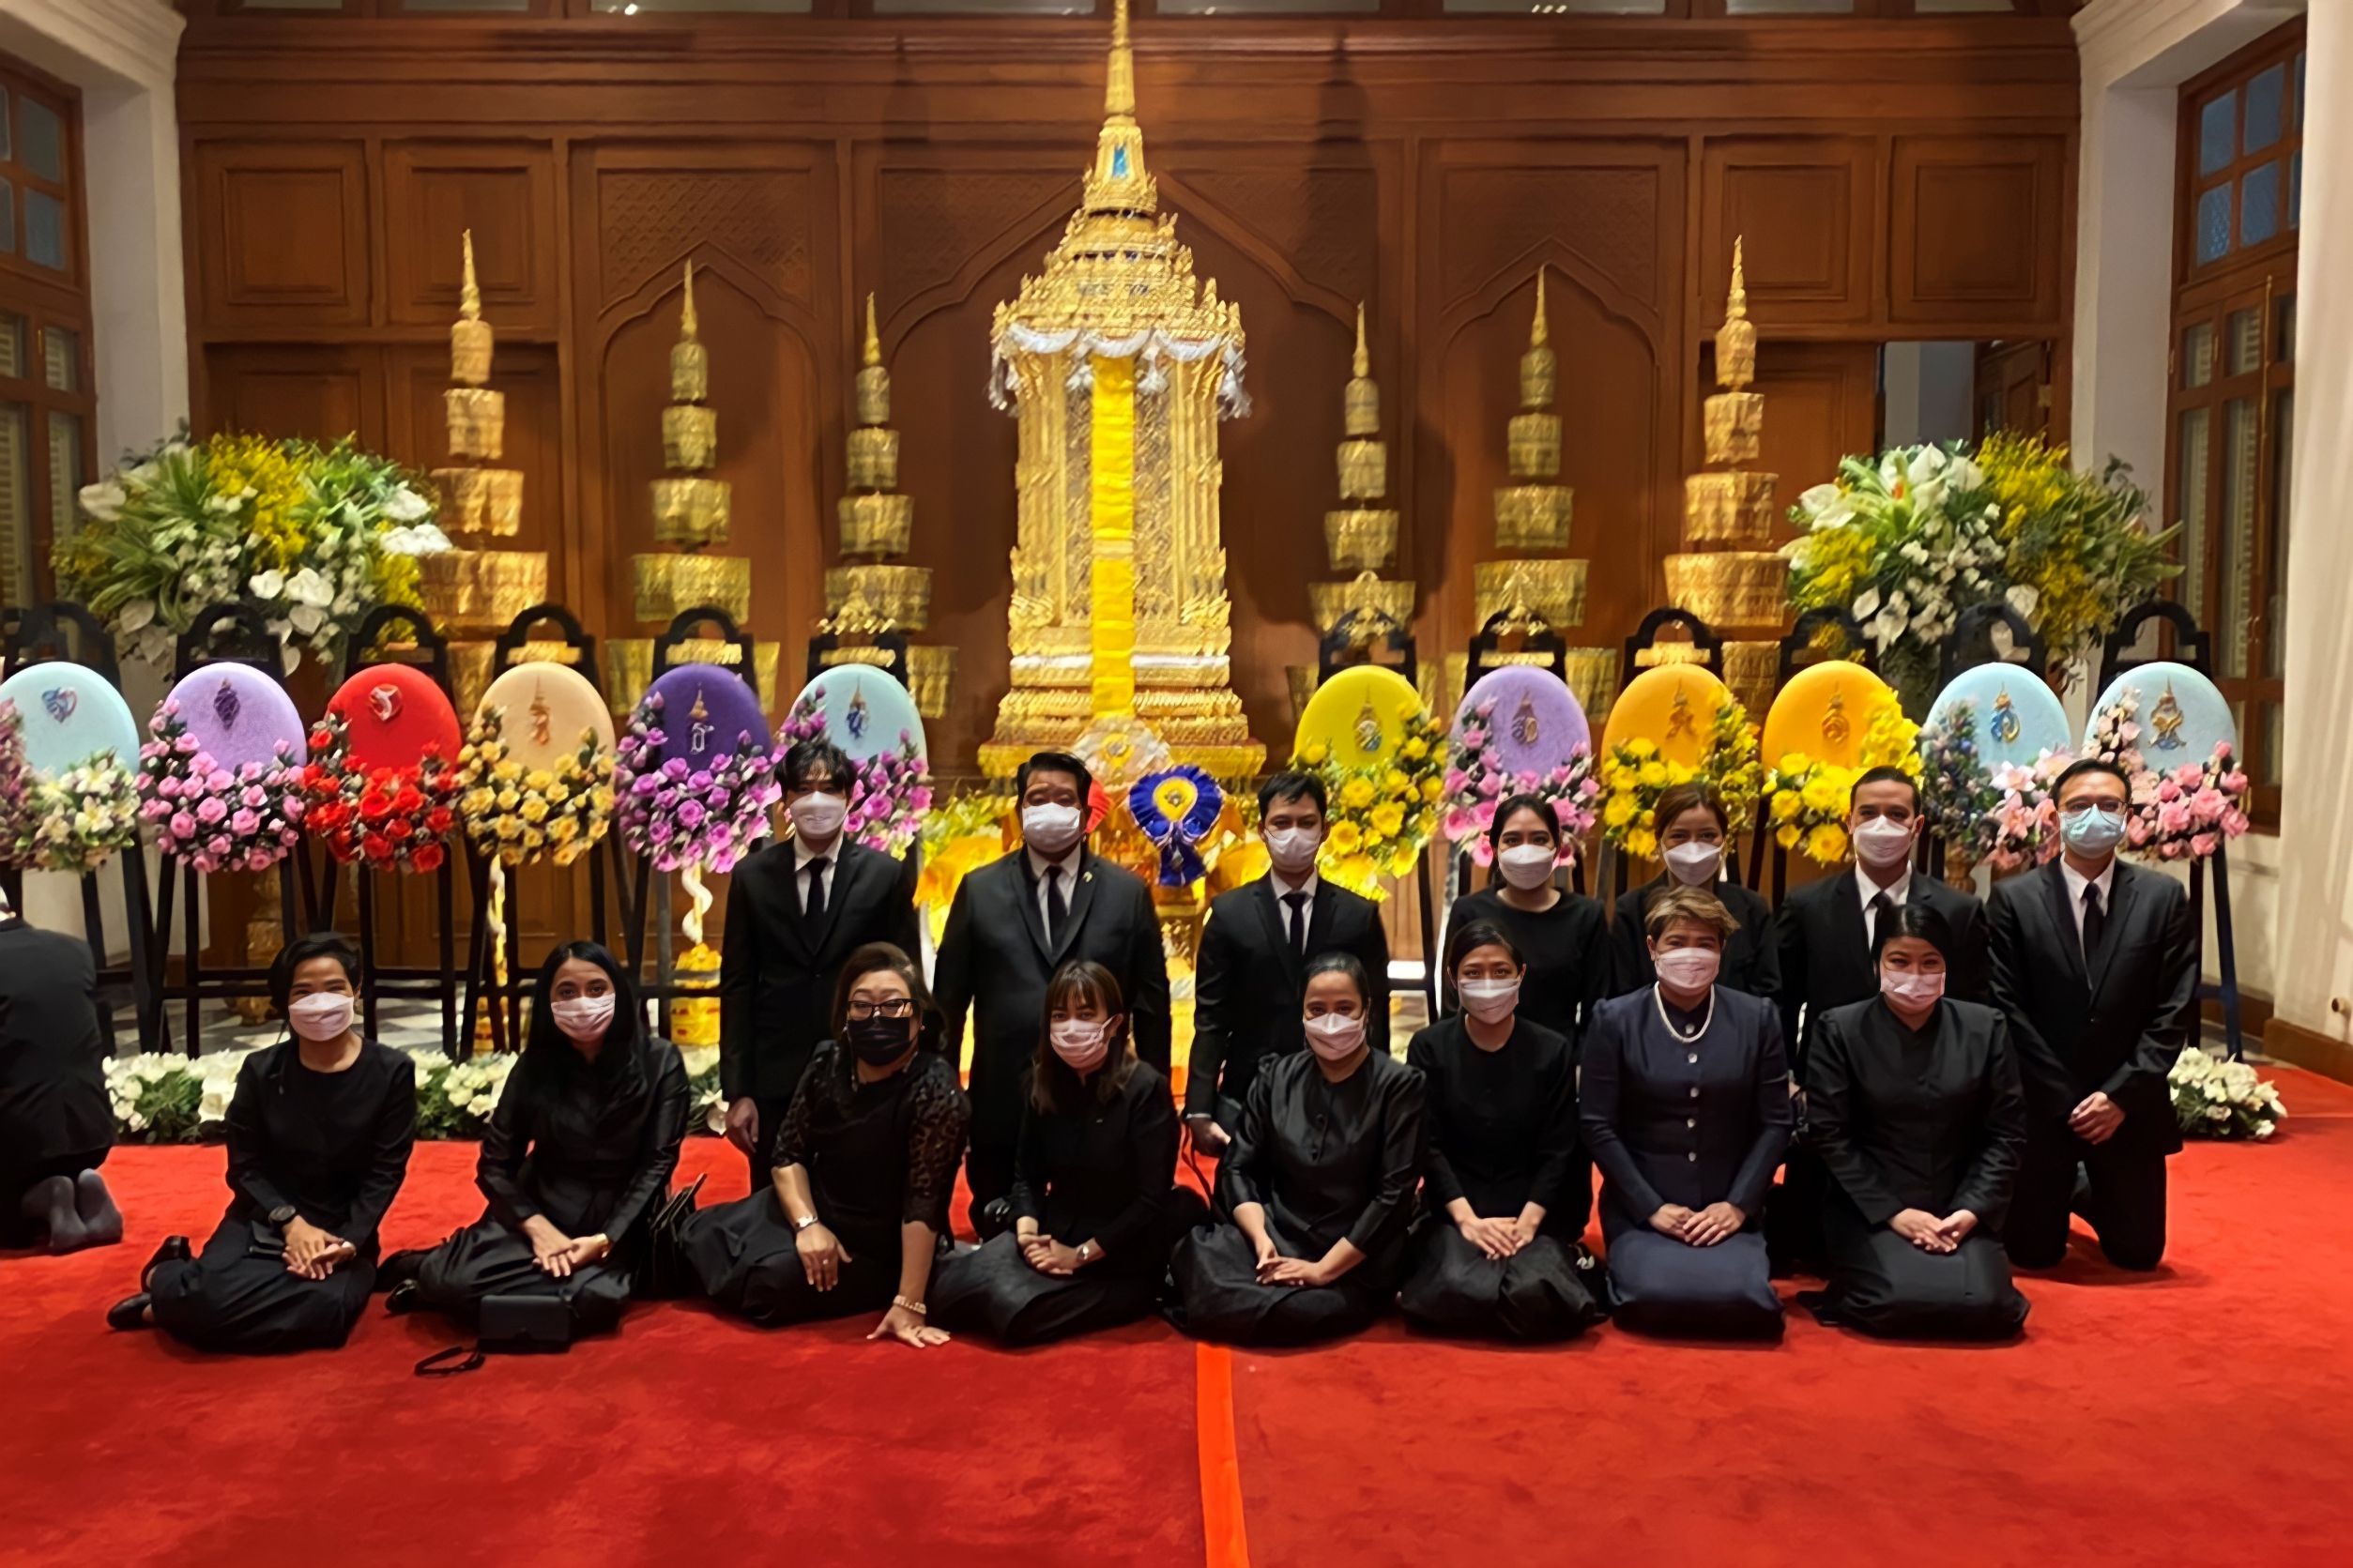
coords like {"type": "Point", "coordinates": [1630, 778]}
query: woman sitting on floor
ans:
{"type": "Point", "coordinates": [1917, 1113]}
{"type": "Point", "coordinates": [1505, 1183]}
{"type": "Point", "coordinates": [866, 1165]}
{"type": "Point", "coordinates": [1685, 1103]}
{"type": "Point", "coordinates": [1094, 1198]}
{"type": "Point", "coordinates": [318, 1134]}
{"type": "Point", "coordinates": [1318, 1183]}
{"type": "Point", "coordinates": [578, 1152]}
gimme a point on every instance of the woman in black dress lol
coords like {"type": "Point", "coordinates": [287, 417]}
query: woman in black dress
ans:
{"type": "Point", "coordinates": [866, 1165]}
{"type": "Point", "coordinates": [1693, 829]}
{"type": "Point", "coordinates": [1917, 1111]}
{"type": "Point", "coordinates": [1685, 1103]}
{"type": "Point", "coordinates": [577, 1154]}
{"type": "Point", "coordinates": [1094, 1198]}
{"type": "Point", "coordinates": [1319, 1186]}
{"type": "Point", "coordinates": [1505, 1181]}
{"type": "Point", "coordinates": [1559, 933]}
{"type": "Point", "coordinates": [318, 1131]}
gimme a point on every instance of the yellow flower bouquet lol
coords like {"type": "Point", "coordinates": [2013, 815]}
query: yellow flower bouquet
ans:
{"type": "Point", "coordinates": [1807, 798]}
{"type": "Point", "coordinates": [518, 815]}
{"type": "Point", "coordinates": [1385, 814]}
{"type": "Point", "coordinates": [1634, 776]}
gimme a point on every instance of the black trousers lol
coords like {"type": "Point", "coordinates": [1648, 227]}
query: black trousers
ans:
{"type": "Point", "coordinates": [17, 1180]}
{"type": "Point", "coordinates": [226, 1297]}
{"type": "Point", "coordinates": [988, 1172]}
{"type": "Point", "coordinates": [761, 1157]}
{"type": "Point", "coordinates": [2124, 1199]}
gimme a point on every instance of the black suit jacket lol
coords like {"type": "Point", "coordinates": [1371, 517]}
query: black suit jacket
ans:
{"type": "Point", "coordinates": [1250, 982]}
{"type": "Point", "coordinates": [775, 985]}
{"type": "Point", "coordinates": [2116, 1027]}
{"type": "Point", "coordinates": [1825, 952]}
{"type": "Point", "coordinates": [53, 1059]}
{"type": "Point", "coordinates": [995, 964]}
{"type": "Point", "coordinates": [1752, 960]}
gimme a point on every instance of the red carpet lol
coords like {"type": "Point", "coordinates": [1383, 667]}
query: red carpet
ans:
{"type": "Point", "coordinates": [2203, 1416]}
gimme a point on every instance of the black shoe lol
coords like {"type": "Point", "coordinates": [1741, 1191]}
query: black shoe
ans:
{"type": "Point", "coordinates": [992, 1219]}
{"type": "Point", "coordinates": [403, 1298]}
{"type": "Point", "coordinates": [129, 1313]}
{"type": "Point", "coordinates": [399, 1268]}
{"type": "Point", "coordinates": [175, 1248]}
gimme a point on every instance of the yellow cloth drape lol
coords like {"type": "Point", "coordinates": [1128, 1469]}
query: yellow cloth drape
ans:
{"type": "Point", "coordinates": [1111, 592]}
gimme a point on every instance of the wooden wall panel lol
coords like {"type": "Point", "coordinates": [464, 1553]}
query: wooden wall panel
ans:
{"type": "Point", "coordinates": [282, 233]}
{"type": "Point", "coordinates": [505, 193]}
{"type": "Point", "coordinates": [323, 391]}
{"type": "Point", "coordinates": [1806, 208]}
{"type": "Point", "coordinates": [1976, 229]}
{"type": "Point", "coordinates": [530, 376]}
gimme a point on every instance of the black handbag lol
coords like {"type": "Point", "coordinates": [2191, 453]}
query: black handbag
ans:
{"type": "Point", "coordinates": [664, 1274]}
{"type": "Point", "coordinates": [507, 1323]}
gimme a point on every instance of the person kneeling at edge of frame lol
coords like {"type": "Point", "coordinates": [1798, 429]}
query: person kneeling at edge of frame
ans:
{"type": "Point", "coordinates": [1319, 1183]}
{"type": "Point", "coordinates": [1684, 1098]}
{"type": "Point", "coordinates": [2096, 964]}
{"type": "Point", "coordinates": [319, 1131]}
{"type": "Point", "coordinates": [1505, 1181]}
{"type": "Point", "coordinates": [866, 1165]}
{"type": "Point", "coordinates": [57, 1118]}
{"type": "Point", "coordinates": [1096, 1202]}
{"type": "Point", "coordinates": [1917, 1112]}
{"type": "Point", "coordinates": [578, 1152]}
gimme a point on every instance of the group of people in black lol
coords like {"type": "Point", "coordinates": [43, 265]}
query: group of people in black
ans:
{"type": "Point", "coordinates": [1939, 1083]}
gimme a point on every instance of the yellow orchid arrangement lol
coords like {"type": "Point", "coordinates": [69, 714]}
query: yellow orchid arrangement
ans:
{"type": "Point", "coordinates": [1635, 775]}
{"type": "Point", "coordinates": [1807, 798]}
{"type": "Point", "coordinates": [519, 814]}
{"type": "Point", "coordinates": [1382, 815]}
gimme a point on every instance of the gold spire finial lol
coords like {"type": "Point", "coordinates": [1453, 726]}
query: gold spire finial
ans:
{"type": "Point", "coordinates": [1118, 184]}
{"type": "Point", "coordinates": [1539, 331]}
{"type": "Point", "coordinates": [689, 325]}
{"type": "Point", "coordinates": [1737, 306]}
{"type": "Point", "coordinates": [470, 293]}
{"type": "Point", "coordinates": [874, 339]}
{"type": "Point", "coordinates": [1362, 366]}
{"type": "Point", "coordinates": [1119, 90]}
{"type": "Point", "coordinates": [1736, 339]}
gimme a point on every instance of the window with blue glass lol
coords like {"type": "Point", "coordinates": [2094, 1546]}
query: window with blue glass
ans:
{"type": "Point", "coordinates": [2243, 150]}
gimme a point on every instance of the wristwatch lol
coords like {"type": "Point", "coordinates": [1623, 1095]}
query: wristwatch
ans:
{"type": "Point", "coordinates": [799, 1226]}
{"type": "Point", "coordinates": [282, 1215]}
{"type": "Point", "coordinates": [1086, 1252]}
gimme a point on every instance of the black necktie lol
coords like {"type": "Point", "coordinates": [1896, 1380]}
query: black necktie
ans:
{"type": "Point", "coordinates": [812, 902]}
{"type": "Point", "coordinates": [1057, 908]}
{"type": "Point", "coordinates": [1881, 908]}
{"type": "Point", "coordinates": [2095, 921]}
{"type": "Point", "coordinates": [1298, 904]}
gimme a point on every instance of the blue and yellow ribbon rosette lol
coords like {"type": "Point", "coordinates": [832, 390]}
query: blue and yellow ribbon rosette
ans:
{"type": "Point", "coordinates": [1177, 808]}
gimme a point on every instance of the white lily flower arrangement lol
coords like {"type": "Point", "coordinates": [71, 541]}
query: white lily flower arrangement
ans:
{"type": "Point", "coordinates": [2215, 1098]}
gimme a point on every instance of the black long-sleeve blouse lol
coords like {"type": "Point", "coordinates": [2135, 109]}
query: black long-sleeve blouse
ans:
{"type": "Point", "coordinates": [1329, 1160]}
{"type": "Point", "coordinates": [1500, 1126]}
{"type": "Point", "coordinates": [1932, 1119]}
{"type": "Point", "coordinates": [1104, 1173]}
{"type": "Point", "coordinates": [1567, 953]}
{"type": "Point", "coordinates": [590, 1146]}
{"type": "Point", "coordinates": [1687, 1121]}
{"type": "Point", "coordinates": [878, 1155]}
{"type": "Point", "coordinates": [334, 1145]}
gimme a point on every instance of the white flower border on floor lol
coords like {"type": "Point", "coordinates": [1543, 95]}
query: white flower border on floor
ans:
{"type": "Point", "coordinates": [167, 1097]}
{"type": "Point", "coordinates": [2214, 1098]}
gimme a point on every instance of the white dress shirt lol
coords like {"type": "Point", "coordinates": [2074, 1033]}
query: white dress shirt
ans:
{"type": "Point", "coordinates": [1069, 862]}
{"type": "Point", "coordinates": [1284, 888]}
{"type": "Point", "coordinates": [2077, 882]}
{"type": "Point", "coordinates": [1899, 893]}
{"type": "Point", "coordinates": [802, 855]}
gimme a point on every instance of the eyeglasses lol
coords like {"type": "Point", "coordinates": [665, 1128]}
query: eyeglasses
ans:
{"type": "Point", "coordinates": [895, 1007]}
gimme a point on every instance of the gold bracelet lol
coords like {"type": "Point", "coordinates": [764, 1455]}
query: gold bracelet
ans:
{"type": "Point", "coordinates": [916, 1308]}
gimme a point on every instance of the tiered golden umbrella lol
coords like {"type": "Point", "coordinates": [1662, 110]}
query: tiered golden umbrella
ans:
{"type": "Point", "coordinates": [1360, 536]}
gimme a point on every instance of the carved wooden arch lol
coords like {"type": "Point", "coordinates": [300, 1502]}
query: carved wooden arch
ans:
{"type": "Point", "coordinates": [1483, 299]}
{"type": "Point", "coordinates": [1034, 234]}
{"type": "Point", "coordinates": [713, 260]}
{"type": "Point", "coordinates": [1192, 206]}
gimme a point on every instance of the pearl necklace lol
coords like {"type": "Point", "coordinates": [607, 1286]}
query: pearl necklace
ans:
{"type": "Point", "coordinates": [1658, 1001]}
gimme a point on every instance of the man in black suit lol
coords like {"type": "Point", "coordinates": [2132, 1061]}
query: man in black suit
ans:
{"type": "Point", "coordinates": [1250, 979]}
{"type": "Point", "coordinates": [1822, 936]}
{"type": "Point", "coordinates": [2096, 966]}
{"type": "Point", "coordinates": [795, 910]}
{"type": "Point", "coordinates": [56, 1121]}
{"type": "Point", "coordinates": [1014, 922]}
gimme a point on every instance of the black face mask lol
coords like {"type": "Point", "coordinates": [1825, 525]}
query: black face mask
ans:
{"type": "Point", "coordinates": [878, 1040]}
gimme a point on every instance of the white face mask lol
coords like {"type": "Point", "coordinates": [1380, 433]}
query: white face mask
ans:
{"type": "Point", "coordinates": [584, 1018]}
{"type": "Point", "coordinates": [322, 1015]}
{"type": "Point", "coordinates": [1050, 829]}
{"type": "Point", "coordinates": [1881, 843]}
{"type": "Point", "coordinates": [1490, 1002]}
{"type": "Point", "coordinates": [1293, 849]}
{"type": "Point", "coordinates": [818, 817]}
{"type": "Point", "coordinates": [1912, 989]}
{"type": "Point", "coordinates": [1687, 968]}
{"type": "Point", "coordinates": [1527, 866]}
{"type": "Point", "coordinates": [1695, 864]}
{"type": "Point", "coordinates": [1334, 1035]}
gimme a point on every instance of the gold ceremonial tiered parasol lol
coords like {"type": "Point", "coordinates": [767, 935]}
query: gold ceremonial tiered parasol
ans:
{"type": "Point", "coordinates": [1360, 536]}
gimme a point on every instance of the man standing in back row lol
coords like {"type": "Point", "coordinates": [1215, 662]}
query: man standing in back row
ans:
{"type": "Point", "coordinates": [1014, 922]}
{"type": "Point", "coordinates": [2096, 964]}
